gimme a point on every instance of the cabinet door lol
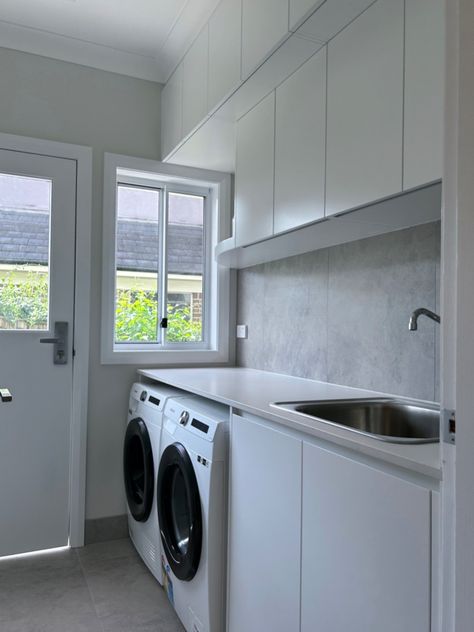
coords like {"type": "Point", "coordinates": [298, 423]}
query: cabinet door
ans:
{"type": "Point", "coordinates": [225, 47]}
{"type": "Point", "coordinates": [365, 109]}
{"type": "Point", "coordinates": [172, 112]}
{"type": "Point", "coordinates": [300, 9]}
{"type": "Point", "coordinates": [366, 548]}
{"type": "Point", "coordinates": [254, 173]}
{"type": "Point", "coordinates": [300, 145]}
{"type": "Point", "coordinates": [424, 92]}
{"type": "Point", "coordinates": [264, 26]}
{"type": "Point", "coordinates": [265, 520]}
{"type": "Point", "coordinates": [195, 68]}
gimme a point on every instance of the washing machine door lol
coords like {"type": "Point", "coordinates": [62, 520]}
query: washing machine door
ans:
{"type": "Point", "coordinates": [179, 511]}
{"type": "Point", "coordinates": [138, 470]}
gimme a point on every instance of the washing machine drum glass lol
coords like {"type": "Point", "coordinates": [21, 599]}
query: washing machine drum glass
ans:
{"type": "Point", "coordinates": [179, 511]}
{"type": "Point", "coordinates": [138, 470]}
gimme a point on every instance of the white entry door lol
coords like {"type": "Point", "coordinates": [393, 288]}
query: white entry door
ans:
{"type": "Point", "coordinates": [37, 255]}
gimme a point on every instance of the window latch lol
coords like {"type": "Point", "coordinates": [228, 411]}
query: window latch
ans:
{"type": "Point", "coordinates": [164, 323]}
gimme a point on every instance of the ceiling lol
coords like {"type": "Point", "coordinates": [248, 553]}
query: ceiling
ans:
{"type": "Point", "coordinates": [140, 38]}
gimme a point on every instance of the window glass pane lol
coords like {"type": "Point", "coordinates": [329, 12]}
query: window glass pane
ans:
{"type": "Point", "coordinates": [25, 215]}
{"type": "Point", "coordinates": [137, 254]}
{"type": "Point", "coordinates": [185, 251]}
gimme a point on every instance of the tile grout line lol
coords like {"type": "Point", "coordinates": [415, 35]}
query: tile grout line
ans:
{"type": "Point", "coordinates": [84, 574]}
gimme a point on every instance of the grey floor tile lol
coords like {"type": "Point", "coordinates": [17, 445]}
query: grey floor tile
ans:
{"type": "Point", "coordinates": [101, 588]}
{"type": "Point", "coordinates": [66, 624]}
{"type": "Point", "coordinates": [53, 560]}
{"type": "Point", "coordinates": [125, 587]}
{"type": "Point", "coordinates": [142, 622]}
{"type": "Point", "coordinates": [94, 555]}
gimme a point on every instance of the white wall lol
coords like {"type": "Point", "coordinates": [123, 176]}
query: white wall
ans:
{"type": "Point", "coordinates": [64, 102]}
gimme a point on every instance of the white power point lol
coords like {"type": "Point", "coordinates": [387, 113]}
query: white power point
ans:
{"type": "Point", "coordinates": [242, 331]}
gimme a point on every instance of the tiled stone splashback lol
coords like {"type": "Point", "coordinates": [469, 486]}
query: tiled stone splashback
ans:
{"type": "Point", "coordinates": [341, 314]}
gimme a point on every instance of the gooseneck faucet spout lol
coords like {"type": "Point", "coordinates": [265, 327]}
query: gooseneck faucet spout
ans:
{"type": "Point", "coordinates": [422, 311]}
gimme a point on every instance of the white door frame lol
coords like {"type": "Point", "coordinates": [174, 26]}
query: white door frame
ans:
{"type": "Point", "coordinates": [457, 318]}
{"type": "Point", "coordinates": [83, 158]}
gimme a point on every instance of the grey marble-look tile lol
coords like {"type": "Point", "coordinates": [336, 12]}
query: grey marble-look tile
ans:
{"type": "Point", "coordinates": [341, 314]}
{"type": "Point", "coordinates": [250, 284]}
{"type": "Point", "coordinates": [374, 285]}
{"type": "Point", "coordinates": [295, 305]}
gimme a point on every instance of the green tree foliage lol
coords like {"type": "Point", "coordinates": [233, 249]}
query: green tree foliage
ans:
{"type": "Point", "coordinates": [136, 319]}
{"type": "Point", "coordinates": [136, 316]}
{"type": "Point", "coordinates": [24, 302]}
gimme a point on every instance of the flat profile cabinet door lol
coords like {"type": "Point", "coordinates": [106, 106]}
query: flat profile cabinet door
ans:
{"type": "Point", "coordinates": [365, 108]}
{"type": "Point", "coordinates": [195, 69]}
{"type": "Point", "coordinates": [300, 9]}
{"type": "Point", "coordinates": [254, 173]}
{"type": "Point", "coordinates": [225, 48]}
{"type": "Point", "coordinates": [264, 26]}
{"type": "Point", "coordinates": [300, 145]}
{"type": "Point", "coordinates": [172, 112]}
{"type": "Point", "coordinates": [265, 521]}
{"type": "Point", "coordinates": [424, 92]}
{"type": "Point", "coordinates": [366, 548]}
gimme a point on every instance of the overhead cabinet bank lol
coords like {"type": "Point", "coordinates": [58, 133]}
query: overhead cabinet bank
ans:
{"type": "Point", "coordinates": [381, 134]}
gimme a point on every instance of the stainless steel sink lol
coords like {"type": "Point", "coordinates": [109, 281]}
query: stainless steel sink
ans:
{"type": "Point", "coordinates": [390, 420]}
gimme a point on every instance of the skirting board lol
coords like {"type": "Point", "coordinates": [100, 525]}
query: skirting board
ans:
{"type": "Point", "coordinates": [103, 529]}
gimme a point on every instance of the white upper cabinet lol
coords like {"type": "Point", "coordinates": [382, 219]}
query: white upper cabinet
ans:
{"type": "Point", "coordinates": [225, 48]}
{"type": "Point", "coordinates": [172, 112]}
{"type": "Point", "coordinates": [300, 9]}
{"type": "Point", "coordinates": [254, 173]}
{"type": "Point", "coordinates": [424, 88]}
{"type": "Point", "coordinates": [264, 26]}
{"type": "Point", "coordinates": [195, 68]}
{"type": "Point", "coordinates": [300, 145]}
{"type": "Point", "coordinates": [365, 108]}
{"type": "Point", "coordinates": [329, 18]}
{"type": "Point", "coordinates": [366, 548]}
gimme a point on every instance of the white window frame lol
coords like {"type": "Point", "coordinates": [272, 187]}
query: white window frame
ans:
{"type": "Point", "coordinates": [216, 347]}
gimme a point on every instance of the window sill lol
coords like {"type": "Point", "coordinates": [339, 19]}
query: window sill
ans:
{"type": "Point", "coordinates": [165, 357]}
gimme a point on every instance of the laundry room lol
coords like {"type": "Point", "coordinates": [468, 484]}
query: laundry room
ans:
{"type": "Point", "coordinates": [236, 316]}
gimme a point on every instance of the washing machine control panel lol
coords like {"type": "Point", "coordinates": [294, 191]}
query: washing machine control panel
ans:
{"type": "Point", "coordinates": [184, 418]}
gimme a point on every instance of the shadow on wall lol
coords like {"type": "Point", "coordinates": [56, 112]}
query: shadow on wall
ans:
{"type": "Point", "coordinates": [341, 314]}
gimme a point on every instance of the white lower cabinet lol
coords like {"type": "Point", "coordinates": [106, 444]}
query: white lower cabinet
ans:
{"type": "Point", "coordinates": [366, 548]}
{"type": "Point", "coordinates": [264, 538]}
{"type": "Point", "coordinates": [322, 542]}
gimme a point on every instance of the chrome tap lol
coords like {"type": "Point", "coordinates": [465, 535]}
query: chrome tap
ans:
{"type": "Point", "coordinates": [421, 311]}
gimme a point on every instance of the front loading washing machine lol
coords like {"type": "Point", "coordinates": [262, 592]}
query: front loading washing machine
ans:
{"type": "Point", "coordinates": [192, 509]}
{"type": "Point", "coordinates": [141, 452]}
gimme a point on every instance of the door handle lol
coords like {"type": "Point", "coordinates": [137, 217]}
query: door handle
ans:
{"type": "Point", "coordinates": [59, 341]}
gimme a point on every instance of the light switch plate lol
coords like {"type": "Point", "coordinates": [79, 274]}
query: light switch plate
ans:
{"type": "Point", "coordinates": [242, 331]}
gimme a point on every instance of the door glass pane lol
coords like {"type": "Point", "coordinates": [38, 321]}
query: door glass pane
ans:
{"type": "Point", "coordinates": [185, 252]}
{"type": "Point", "coordinates": [137, 254]}
{"type": "Point", "coordinates": [25, 218]}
